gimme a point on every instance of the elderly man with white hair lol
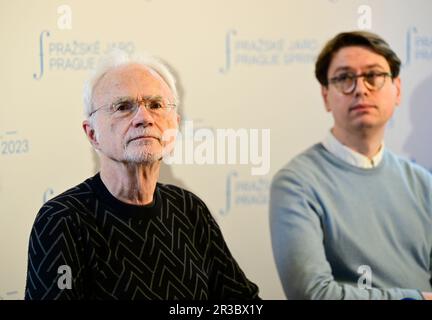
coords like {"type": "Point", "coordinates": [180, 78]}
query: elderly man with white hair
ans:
{"type": "Point", "coordinates": [120, 234]}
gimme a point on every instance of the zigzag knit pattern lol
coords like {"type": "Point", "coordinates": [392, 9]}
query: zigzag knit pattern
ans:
{"type": "Point", "coordinates": [172, 249]}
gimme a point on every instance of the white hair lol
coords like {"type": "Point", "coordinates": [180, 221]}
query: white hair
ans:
{"type": "Point", "coordinates": [118, 58]}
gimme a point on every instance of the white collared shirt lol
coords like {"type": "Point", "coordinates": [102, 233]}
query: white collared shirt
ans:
{"type": "Point", "coordinates": [350, 156]}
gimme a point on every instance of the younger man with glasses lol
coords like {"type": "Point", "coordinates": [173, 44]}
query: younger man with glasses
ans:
{"type": "Point", "coordinates": [120, 234]}
{"type": "Point", "coordinates": [350, 219]}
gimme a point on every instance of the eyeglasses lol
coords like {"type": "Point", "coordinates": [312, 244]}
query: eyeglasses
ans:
{"type": "Point", "coordinates": [347, 82]}
{"type": "Point", "coordinates": [126, 107]}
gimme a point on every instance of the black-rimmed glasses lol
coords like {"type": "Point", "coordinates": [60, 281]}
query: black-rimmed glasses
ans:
{"type": "Point", "coordinates": [347, 82]}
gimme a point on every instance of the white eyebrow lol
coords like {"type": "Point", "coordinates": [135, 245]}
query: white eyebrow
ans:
{"type": "Point", "coordinates": [126, 98]}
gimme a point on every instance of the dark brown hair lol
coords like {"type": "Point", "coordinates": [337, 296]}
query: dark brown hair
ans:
{"type": "Point", "coordinates": [355, 38]}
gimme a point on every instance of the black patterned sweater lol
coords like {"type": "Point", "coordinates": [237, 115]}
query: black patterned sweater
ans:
{"type": "Point", "coordinates": [86, 244]}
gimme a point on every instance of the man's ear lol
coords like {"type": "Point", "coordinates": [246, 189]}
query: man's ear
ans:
{"type": "Point", "coordinates": [324, 94]}
{"type": "Point", "coordinates": [397, 84]}
{"type": "Point", "coordinates": [90, 133]}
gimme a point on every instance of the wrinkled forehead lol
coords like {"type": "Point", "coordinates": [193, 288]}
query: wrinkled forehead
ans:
{"type": "Point", "coordinates": [131, 80]}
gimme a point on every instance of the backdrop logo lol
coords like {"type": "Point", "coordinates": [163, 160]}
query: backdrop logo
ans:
{"type": "Point", "coordinates": [418, 46]}
{"type": "Point", "coordinates": [12, 144]}
{"type": "Point", "coordinates": [245, 192]}
{"type": "Point", "coordinates": [73, 55]}
{"type": "Point", "coordinates": [266, 52]}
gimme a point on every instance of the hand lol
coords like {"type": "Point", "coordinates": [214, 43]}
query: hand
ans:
{"type": "Point", "coordinates": [427, 295]}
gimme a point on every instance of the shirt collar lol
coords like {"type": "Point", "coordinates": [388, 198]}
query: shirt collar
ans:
{"type": "Point", "coordinates": [350, 156]}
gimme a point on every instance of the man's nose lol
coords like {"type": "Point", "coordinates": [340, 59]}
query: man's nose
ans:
{"type": "Point", "coordinates": [361, 88]}
{"type": "Point", "coordinates": [142, 116]}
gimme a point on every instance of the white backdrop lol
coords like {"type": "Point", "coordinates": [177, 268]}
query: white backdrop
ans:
{"type": "Point", "coordinates": [244, 64]}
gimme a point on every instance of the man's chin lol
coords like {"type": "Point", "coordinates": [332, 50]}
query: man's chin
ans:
{"type": "Point", "coordinates": [366, 125]}
{"type": "Point", "coordinates": [143, 158]}
{"type": "Point", "coordinates": [366, 121]}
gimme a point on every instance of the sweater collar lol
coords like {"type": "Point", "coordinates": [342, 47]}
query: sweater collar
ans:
{"type": "Point", "coordinates": [350, 156]}
{"type": "Point", "coordinates": [126, 209]}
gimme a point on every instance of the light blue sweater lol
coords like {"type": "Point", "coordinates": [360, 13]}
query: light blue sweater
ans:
{"type": "Point", "coordinates": [328, 218]}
